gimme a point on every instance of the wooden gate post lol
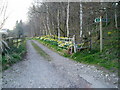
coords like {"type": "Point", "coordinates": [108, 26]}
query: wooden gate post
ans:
{"type": "Point", "coordinates": [74, 43]}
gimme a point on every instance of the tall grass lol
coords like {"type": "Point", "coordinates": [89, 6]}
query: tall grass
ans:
{"type": "Point", "coordinates": [14, 55]}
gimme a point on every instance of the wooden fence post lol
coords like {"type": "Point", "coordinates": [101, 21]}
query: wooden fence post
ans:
{"type": "Point", "coordinates": [90, 40]}
{"type": "Point", "coordinates": [74, 43]}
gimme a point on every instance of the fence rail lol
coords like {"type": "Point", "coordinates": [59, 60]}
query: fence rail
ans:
{"type": "Point", "coordinates": [13, 41]}
{"type": "Point", "coordinates": [73, 42]}
{"type": "Point", "coordinates": [9, 42]}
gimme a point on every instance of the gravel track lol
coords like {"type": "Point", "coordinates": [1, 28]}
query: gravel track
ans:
{"type": "Point", "coordinates": [37, 72]}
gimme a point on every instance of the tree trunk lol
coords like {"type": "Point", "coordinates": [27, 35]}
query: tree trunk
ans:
{"type": "Point", "coordinates": [48, 22]}
{"type": "Point", "coordinates": [53, 27]}
{"type": "Point", "coordinates": [81, 13]}
{"type": "Point", "coordinates": [116, 19]}
{"type": "Point", "coordinates": [45, 28]}
{"type": "Point", "coordinates": [67, 21]}
{"type": "Point", "coordinates": [58, 24]}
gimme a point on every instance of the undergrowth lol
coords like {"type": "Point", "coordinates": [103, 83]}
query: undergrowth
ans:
{"type": "Point", "coordinates": [14, 55]}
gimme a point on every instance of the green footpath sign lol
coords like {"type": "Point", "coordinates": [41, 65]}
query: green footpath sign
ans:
{"type": "Point", "coordinates": [98, 20]}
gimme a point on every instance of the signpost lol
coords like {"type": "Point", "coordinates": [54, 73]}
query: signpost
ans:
{"type": "Point", "coordinates": [100, 20]}
{"type": "Point", "coordinates": [100, 33]}
{"type": "Point", "coordinates": [74, 44]}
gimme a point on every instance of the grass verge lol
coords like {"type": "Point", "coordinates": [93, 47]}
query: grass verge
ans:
{"type": "Point", "coordinates": [41, 52]}
{"type": "Point", "coordinates": [14, 55]}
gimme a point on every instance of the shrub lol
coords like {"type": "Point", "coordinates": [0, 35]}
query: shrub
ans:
{"type": "Point", "coordinates": [14, 54]}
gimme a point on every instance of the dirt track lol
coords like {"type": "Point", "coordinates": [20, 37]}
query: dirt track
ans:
{"type": "Point", "coordinates": [37, 72]}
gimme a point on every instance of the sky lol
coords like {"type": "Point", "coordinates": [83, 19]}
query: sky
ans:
{"type": "Point", "coordinates": [16, 10]}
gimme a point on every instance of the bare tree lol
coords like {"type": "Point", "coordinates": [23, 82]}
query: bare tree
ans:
{"type": "Point", "coordinates": [81, 20]}
{"type": "Point", "coordinates": [3, 9]}
{"type": "Point", "coordinates": [58, 23]}
{"type": "Point", "coordinates": [67, 21]}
